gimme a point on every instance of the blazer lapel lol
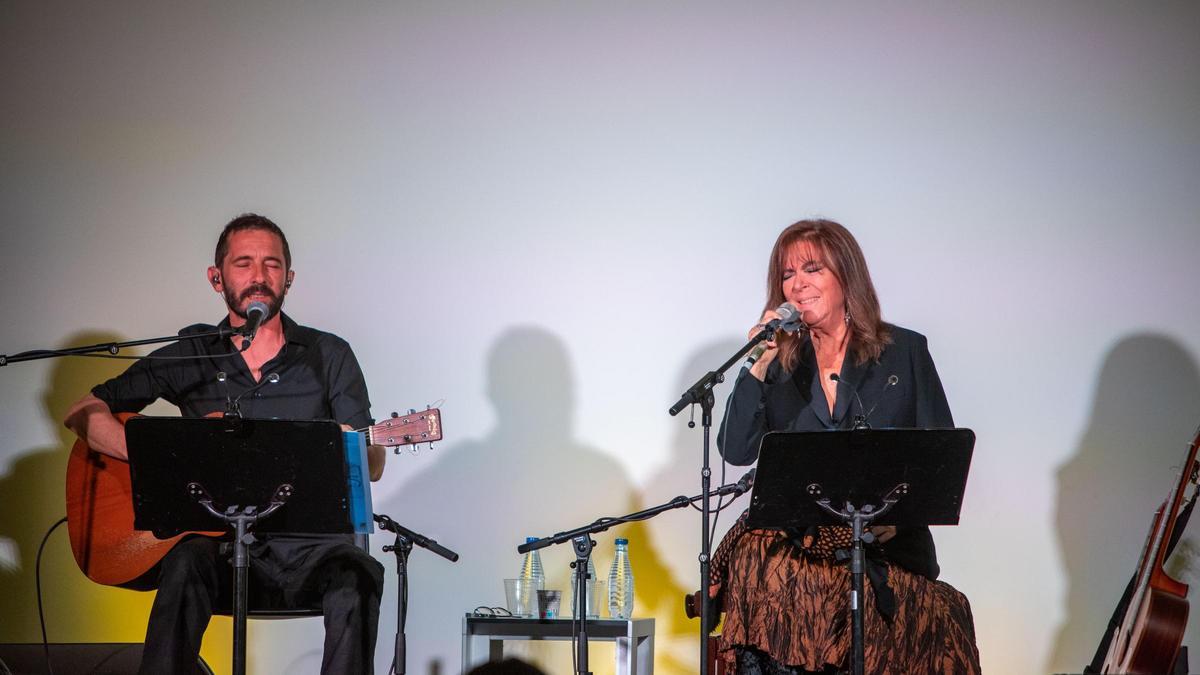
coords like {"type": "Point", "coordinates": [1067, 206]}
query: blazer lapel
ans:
{"type": "Point", "coordinates": [853, 377]}
{"type": "Point", "coordinates": [809, 388]}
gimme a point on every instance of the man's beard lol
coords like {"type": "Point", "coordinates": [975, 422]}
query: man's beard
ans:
{"type": "Point", "coordinates": [274, 302]}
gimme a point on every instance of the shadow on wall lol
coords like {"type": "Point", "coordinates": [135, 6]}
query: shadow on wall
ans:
{"type": "Point", "coordinates": [527, 477]}
{"type": "Point", "coordinates": [32, 495]}
{"type": "Point", "coordinates": [1145, 409]}
{"type": "Point", "coordinates": [77, 610]}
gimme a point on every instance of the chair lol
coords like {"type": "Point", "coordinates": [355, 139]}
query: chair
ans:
{"type": "Point", "coordinates": [363, 541]}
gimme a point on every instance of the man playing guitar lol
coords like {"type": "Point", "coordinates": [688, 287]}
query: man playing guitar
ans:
{"type": "Point", "coordinates": [310, 375]}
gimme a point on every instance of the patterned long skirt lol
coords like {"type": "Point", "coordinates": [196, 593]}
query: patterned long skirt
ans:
{"type": "Point", "coordinates": [792, 607]}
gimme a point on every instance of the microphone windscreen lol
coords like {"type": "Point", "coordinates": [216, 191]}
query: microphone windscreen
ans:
{"type": "Point", "coordinates": [257, 306]}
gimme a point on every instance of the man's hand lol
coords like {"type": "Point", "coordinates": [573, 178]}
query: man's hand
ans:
{"type": "Point", "coordinates": [376, 458]}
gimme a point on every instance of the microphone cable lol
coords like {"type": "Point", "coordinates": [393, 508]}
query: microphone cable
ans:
{"type": "Point", "coordinates": [37, 567]}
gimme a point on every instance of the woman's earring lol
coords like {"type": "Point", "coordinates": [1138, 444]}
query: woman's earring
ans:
{"type": "Point", "coordinates": [847, 317]}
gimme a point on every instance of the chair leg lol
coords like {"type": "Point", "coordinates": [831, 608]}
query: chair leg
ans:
{"type": "Point", "coordinates": [716, 665]}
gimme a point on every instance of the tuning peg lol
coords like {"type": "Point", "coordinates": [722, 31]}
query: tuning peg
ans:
{"type": "Point", "coordinates": [395, 414]}
{"type": "Point", "coordinates": [412, 411]}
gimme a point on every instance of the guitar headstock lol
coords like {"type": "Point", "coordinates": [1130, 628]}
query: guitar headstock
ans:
{"type": "Point", "coordinates": [424, 426]}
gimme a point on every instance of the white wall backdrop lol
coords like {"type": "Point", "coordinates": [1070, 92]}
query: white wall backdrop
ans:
{"type": "Point", "coordinates": [554, 216]}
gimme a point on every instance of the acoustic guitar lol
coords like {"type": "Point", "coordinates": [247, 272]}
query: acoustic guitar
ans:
{"type": "Point", "coordinates": [1151, 631]}
{"type": "Point", "coordinates": [100, 502]}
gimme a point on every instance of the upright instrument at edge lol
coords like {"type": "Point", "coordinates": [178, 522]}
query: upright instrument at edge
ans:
{"type": "Point", "coordinates": [1151, 632]}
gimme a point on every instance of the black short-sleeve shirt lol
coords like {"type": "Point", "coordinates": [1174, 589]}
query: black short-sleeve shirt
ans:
{"type": "Point", "coordinates": [319, 378]}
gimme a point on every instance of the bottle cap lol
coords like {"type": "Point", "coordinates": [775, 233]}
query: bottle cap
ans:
{"type": "Point", "coordinates": [622, 541]}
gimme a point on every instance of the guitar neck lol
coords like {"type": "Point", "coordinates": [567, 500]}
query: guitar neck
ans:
{"type": "Point", "coordinates": [1171, 506]}
{"type": "Point", "coordinates": [424, 426]}
{"type": "Point", "coordinates": [1145, 640]}
{"type": "Point", "coordinates": [1150, 570]}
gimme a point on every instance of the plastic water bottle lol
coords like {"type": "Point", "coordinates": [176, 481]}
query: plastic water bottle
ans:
{"type": "Point", "coordinates": [590, 607]}
{"type": "Point", "coordinates": [620, 583]}
{"type": "Point", "coordinates": [531, 567]}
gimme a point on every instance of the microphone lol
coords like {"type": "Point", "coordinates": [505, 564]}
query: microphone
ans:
{"type": "Point", "coordinates": [421, 540]}
{"type": "Point", "coordinates": [755, 354]}
{"type": "Point", "coordinates": [224, 380]}
{"type": "Point", "coordinates": [745, 482]}
{"type": "Point", "coordinates": [256, 314]}
{"type": "Point", "coordinates": [790, 319]}
{"type": "Point", "coordinates": [860, 421]}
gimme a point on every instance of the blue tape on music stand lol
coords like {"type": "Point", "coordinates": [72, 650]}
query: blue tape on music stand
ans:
{"type": "Point", "coordinates": [360, 482]}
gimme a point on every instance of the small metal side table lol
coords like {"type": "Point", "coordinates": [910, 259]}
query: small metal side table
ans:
{"type": "Point", "coordinates": [483, 639]}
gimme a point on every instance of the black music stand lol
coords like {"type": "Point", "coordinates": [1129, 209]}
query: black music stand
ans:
{"type": "Point", "coordinates": [187, 473]}
{"type": "Point", "coordinates": [907, 477]}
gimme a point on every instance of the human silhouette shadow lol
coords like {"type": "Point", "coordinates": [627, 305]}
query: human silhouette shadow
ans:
{"type": "Point", "coordinates": [1144, 411]}
{"type": "Point", "coordinates": [32, 494]}
{"type": "Point", "coordinates": [528, 476]}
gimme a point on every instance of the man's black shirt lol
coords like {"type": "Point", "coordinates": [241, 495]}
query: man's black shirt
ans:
{"type": "Point", "coordinates": [319, 378]}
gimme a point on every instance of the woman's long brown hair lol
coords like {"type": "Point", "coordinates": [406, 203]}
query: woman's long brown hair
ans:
{"type": "Point", "coordinates": [841, 254]}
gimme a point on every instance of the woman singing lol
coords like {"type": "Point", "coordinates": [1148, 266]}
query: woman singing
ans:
{"type": "Point", "coordinates": [784, 593]}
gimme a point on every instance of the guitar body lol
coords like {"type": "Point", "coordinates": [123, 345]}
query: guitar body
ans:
{"type": "Point", "coordinates": [100, 519]}
{"type": "Point", "coordinates": [1148, 639]}
{"type": "Point", "coordinates": [1153, 645]}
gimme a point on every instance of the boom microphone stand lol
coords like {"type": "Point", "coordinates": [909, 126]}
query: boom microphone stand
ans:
{"type": "Point", "coordinates": [581, 539]}
{"type": "Point", "coordinates": [405, 538]}
{"type": "Point", "coordinates": [701, 393]}
{"type": "Point", "coordinates": [113, 348]}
